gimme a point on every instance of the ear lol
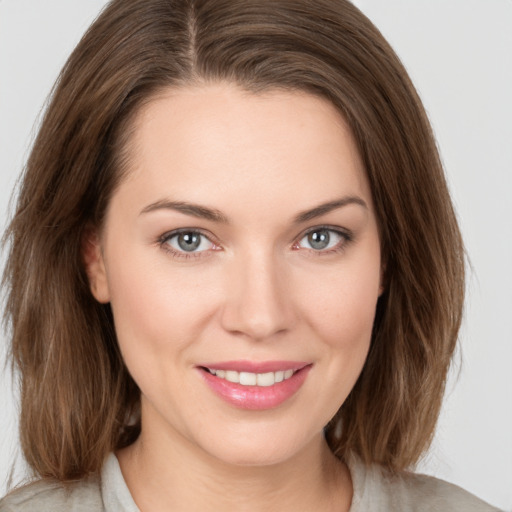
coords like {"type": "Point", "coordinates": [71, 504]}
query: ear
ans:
{"type": "Point", "coordinates": [93, 260]}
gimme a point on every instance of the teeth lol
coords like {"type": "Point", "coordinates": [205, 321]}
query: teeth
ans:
{"type": "Point", "coordinates": [253, 379]}
{"type": "Point", "coordinates": [247, 379]}
{"type": "Point", "coordinates": [266, 379]}
{"type": "Point", "coordinates": [232, 376]}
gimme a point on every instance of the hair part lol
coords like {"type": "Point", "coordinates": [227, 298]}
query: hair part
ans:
{"type": "Point", "coordinates": [78, 401]}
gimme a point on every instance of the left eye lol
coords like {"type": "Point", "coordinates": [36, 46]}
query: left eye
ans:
{"type": "Point", "coordinates": [189, 241]}
{"type": "Point", "coordinates": [321, 239]}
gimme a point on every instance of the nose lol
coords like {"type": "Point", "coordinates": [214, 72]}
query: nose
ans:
{"type": "Point", "coordinates": [258, 303]}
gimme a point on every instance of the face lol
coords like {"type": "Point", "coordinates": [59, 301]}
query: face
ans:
{"type": "Point", "coordinates": [241, 259]}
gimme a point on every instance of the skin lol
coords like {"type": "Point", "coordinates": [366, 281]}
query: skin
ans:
{"type": "Point", "coordinates": [256, 289]}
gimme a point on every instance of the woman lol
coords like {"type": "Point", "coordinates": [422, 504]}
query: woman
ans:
{"type": "Point", "coordinates": [234, 262]}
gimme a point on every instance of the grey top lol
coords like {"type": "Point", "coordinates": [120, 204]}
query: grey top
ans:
{"type": "Point", "coordinates": [374, 490]}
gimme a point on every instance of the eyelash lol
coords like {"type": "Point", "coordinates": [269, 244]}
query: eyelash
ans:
{"type": "Point", "coordinates": [163, 241]}
{"type": "Point", "coordinates": [345, 235]}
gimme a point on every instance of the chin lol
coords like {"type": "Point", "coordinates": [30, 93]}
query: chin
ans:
{"type": "Point", "coordinates": [261, 449]}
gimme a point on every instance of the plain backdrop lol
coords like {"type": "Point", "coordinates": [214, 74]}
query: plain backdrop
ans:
{"type": "Point", "coordinates": [459, 54]}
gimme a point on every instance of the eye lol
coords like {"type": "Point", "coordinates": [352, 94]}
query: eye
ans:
{"type": "Point", "coordinates": [188, 241]}
{"type": "Point", "coordinates": [323, 239]}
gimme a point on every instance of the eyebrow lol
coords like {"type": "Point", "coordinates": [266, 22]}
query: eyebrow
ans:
{"type": "Point", "coordinates": [195, 210]}
{"type": "Point", "coordinates": [325, 208]}
{"type": "Point", "coordinates": [212, 214]}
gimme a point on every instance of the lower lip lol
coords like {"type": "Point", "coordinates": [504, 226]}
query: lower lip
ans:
{"type": "Point", "coordinates": [256, 398]}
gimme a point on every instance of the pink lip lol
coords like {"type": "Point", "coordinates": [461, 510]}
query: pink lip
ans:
{"type": "Point", "coordinates": [256, 367]}
{"type": "Point", "coordinates": [256, 397]}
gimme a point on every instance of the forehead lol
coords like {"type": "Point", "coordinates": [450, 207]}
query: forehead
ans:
{"type": "Point", "coordinates": [219, 142]}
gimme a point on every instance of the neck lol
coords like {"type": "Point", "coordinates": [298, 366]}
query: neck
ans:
{"type": "Point", "coordinates": [163, 475]}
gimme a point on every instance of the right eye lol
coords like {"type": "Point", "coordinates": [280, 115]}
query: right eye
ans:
{"type": "Point", "coordinates": [185, 243]}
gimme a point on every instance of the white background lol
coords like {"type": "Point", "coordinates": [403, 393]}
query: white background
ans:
{"type": "Point", "coordinates": [459, 54]}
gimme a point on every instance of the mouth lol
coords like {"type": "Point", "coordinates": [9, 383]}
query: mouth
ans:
{"type": "Point", "coordinates": [255, 386]}
{"type": "Point", "coordinates": [252, 379]}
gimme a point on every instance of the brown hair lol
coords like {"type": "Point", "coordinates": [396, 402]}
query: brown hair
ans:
{"type": "Point", "coordinates": [78, 401]}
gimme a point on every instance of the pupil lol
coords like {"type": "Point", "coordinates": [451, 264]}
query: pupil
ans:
{"type": "Point", "coordinates": [189, 241]}
{"type": "Point", "coordinates": [319, 239]}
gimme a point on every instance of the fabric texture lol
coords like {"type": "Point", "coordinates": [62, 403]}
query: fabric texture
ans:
{"type": "Point", "coordinates": [374, 490]}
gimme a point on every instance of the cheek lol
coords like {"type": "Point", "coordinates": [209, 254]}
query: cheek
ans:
{"type": "Point", "coordinates": [155, 310]}
{"type": "Point", "coordinates": [341, 305]}
{"type": "Point", "coordinates": [340, 314]}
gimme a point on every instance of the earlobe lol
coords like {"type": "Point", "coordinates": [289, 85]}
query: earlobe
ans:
{"type": "Point", "coordinates": [93, 260]}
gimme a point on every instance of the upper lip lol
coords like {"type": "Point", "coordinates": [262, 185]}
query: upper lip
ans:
{"type": "Point", "coordinates": [256, 366]}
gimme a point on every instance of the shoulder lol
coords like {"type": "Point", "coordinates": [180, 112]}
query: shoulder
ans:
{"type": "Point", "coordinates": [377, 489]}
{"type": "Point", "coordinates": [104, 492]}
{"type": "Point", "coordinates": [52, 496]}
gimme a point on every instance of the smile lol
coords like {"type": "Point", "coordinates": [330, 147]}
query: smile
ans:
{"type": "Point", "coordinates": [255, 386]}
{"type": "Point", "coordinates": [252, 379]}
